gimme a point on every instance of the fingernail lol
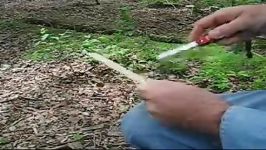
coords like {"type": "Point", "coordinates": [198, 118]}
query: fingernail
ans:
{"type": "Point", "coordinates": [216, 34]}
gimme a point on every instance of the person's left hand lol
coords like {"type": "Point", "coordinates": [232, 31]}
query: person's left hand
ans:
{"type": "Point", "coordinates": [184, 105]}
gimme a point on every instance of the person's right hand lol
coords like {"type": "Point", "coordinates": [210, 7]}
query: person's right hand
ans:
{"type": "Point", "coordinates": [233, 24]}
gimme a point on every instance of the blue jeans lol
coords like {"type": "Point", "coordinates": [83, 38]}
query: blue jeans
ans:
{"type": "Point", "coordinates": [243, 126]}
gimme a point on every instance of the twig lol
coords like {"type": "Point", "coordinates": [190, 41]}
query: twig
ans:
{"type": "Point", "coordinates": [258, 55]}
{"type": "Point", "coordinates": [93, 127]}
{"type": "Point", "coordinates": [60, 147]}
{"type": "Point", "coordinates": [30, 99]}
{"type": "Point", "coordinates": [19, 130]}
{"type": "Point", "coordinates": [9, 100]}
{"type": "Point", "coordinates": [64, 145]}
{"type": "Point", "coordinates": [16, 122]}
{"type": "Point", "coordinates": [20, 97]}
{"type": "Point", "coordinates": [170, 4]}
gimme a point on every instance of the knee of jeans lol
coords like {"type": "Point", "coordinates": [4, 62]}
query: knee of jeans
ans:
{"type": "Point", "coordinates": [135, 125]}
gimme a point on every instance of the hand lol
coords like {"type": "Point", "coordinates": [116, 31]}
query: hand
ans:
{"type": "Point", "coordinates": [233, 24]}
{"type": "Point", "coordinates": [183, 105]}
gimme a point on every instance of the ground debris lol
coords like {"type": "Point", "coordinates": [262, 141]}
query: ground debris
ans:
{"type": "Point", "coordinates": [59, 103]}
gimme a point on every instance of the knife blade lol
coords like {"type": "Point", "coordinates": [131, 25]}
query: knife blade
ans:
{"type": "Point", "coordinates": [203, 40]}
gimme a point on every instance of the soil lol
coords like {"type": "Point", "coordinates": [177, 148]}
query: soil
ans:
{"type": "Point", "coordinates": [46, 105]}
{"type": "Point", "coordinates": [164, 22]}
{"type": "Point", "coordinates": [159, 22]}
{"type": "Point", "coordinates": [13, 41]}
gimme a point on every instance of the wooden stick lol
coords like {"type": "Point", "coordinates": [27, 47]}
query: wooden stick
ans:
{"type": "Point", "coordinates": [131, 75]}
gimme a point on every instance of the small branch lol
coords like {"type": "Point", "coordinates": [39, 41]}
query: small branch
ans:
{"type": "Point", "coordinates": [9, 100]}
{"type": "Point", "coordinates": [170, 4]}
{"type": "Point", "coordinates": [22, 98]}
{"type": "Point", "coordinates": [258, 55]}
{"type": "Point", "coordinates": [65, 146]}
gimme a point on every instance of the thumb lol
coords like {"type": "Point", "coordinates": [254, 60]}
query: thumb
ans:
{"type": "Point", "coordinates": [142, 86]}
{"type": "Point", "coordinates": [228, 29]}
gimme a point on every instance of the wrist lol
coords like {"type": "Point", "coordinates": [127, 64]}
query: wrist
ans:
{"type": "Point", "coordinates": [216, 117]}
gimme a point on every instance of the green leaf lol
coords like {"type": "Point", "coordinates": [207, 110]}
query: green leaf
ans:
{"type": "Point", "coordinates": [243, 74]}
{"type": "Point", "coordinates": [89, 43]}
{"type": "Point", "coordinates": [104, 39]}
{"type": "Point", "coordinates": [94, 41]}
{"type": "Point", "coordinates": [43, 31]}
{"type": "Point", "coordinates": [87, 36]}
{"type": "Point", "coordinates": [77, 137]}
{"type": "Point", "coordinates": [86, 45]}
{"type": "Point", "coordinates": [45, 37]}
{"type": "Point", "coordinates": [3, 141]}
{"type": "Point", "coordinates": [55, 38]}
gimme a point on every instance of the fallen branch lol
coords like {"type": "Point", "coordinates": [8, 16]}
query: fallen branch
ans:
{"type": "Point", "coordinates": [96, 127]}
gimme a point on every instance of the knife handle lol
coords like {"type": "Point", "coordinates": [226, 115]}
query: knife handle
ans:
{"type": "Point", "coordinates": [204, 40]}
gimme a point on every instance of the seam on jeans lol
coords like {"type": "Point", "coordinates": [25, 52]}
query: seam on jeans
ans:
{"type": "Point", "coordinates": [224, 123]}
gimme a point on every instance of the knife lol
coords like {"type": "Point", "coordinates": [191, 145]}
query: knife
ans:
{"type": "Point", "coordinates": [203, 40]}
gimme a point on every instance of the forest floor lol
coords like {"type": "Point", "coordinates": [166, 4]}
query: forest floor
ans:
{"type": "Point", "coordinates": [54, 97]}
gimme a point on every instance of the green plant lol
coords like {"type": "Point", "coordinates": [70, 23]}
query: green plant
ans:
{"type": "Point", "coordinates": [126, 23]}
{"type": "Point", "coordinates": [77, 137]}
{"type": "Point", "coordinates": [206, 3]}
{"type": "Point", "coordinates": [47, 37]}
{"type": "Point", "coordinates": [244, 2]}
{"type": "Point", "coordinates": [260, 78]}
{"type": "Point", "coordinates": [173, 66]}
{"type": "Point", "coordinates": [3, 141]}
{"type": "Point", "coordinates": [216, 79]}
{"type": "Point", "coordinates": [219, 70]}
{"type": "Point", "coordinates": [52, 46]}
{"type": "Point", "coordinates": [160, 1]}
{"type": "Point", "coordinates": [224, 3]}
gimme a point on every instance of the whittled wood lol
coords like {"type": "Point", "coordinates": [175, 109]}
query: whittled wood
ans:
{"type": "Point", "coordinates": [131, 75]}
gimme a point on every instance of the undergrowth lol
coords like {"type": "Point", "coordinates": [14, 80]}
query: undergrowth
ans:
{"type": "Point", "coordinates": [126, 22]}
{"type": "Point", "coordinates": [206, 3]}
{"type": "Point", "coordinates": [220, 70]}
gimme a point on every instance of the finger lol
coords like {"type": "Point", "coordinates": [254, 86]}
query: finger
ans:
{"type": "Point", "coordinates": [230, 41]}
{"type": "Point", "coordinates": [236, 38]}
{"type": "Point", "coordinates": [218, 18]}
{"type": "Point", "coordinates": [196, 32]}
{"type": "Point", "coordinates": [155, 113]}
{"type": "Point", "coordinates": [144, 86]}
{"type": "Point", "coordinates": [147, 103]}
{"type": "Point", "coordinates": [152, 108]}
{"type": "Point", "coordinates": [229, 29]}
{"type": "Point", "coordinates": [143, 89]}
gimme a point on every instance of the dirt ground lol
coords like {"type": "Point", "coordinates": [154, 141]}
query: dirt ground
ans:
{"type": "Point", "coordinates": [163, 23]}
{"type": "Point", "coordinates": [71, 104]}
{"type": "Point", "coordinates": [14, 41]}
{"type": "Point", "coordinates": [53, 105]}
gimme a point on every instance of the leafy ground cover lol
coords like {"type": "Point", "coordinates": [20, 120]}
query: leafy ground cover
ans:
{"type": "Point", "coordinates": [219, 70]}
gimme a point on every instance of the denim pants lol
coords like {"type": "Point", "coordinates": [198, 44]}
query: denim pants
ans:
{"type": "Point", "coordinates": [243, 126]}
